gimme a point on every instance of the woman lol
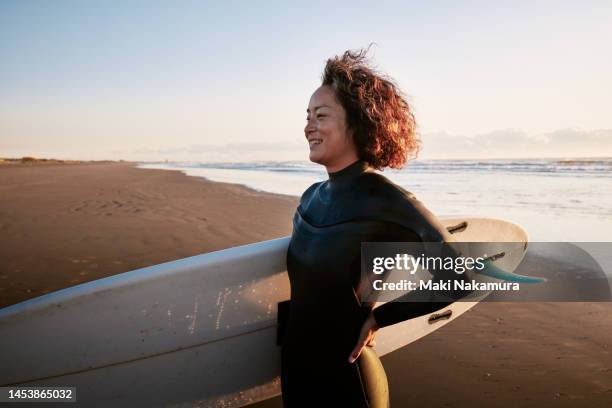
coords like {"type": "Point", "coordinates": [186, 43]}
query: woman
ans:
{"type": "Point", "coordinates": [357, 121]}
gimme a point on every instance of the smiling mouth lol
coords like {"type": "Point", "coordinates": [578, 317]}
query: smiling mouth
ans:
{"type": "Point", "coordinates": [314, 142]}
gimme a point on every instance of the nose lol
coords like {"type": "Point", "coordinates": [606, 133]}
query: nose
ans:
{"type": "Point", "coordinates": [309, 127]}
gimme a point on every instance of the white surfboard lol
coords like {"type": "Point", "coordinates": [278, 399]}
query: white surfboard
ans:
{"type": "Point", "coordinates": [199, 331]}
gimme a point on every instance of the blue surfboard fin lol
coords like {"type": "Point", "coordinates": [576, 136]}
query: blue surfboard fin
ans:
{"type": "Point", "coordinates": [498, 273]}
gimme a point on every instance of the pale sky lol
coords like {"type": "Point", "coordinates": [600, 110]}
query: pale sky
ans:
{"type": "Point", "coordinates": [209, 81]}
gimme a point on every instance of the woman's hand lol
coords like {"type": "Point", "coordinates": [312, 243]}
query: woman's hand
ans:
{"type": "Point", "coordinates": [366, 337]}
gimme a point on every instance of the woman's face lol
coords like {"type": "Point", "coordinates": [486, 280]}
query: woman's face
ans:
{"type": "Point", "coordinates": [329, 139]}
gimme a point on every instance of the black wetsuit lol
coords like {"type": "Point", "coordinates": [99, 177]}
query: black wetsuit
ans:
{"type": "Point", "coordinates": [325, 315]}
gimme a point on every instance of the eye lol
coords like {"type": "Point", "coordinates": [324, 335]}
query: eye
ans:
{"type": "Point", "coordinates": [320, 115]}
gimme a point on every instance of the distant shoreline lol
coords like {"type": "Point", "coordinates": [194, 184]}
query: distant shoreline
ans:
{"type": "Point", "coordinates": [30, 160]}
{"type": "Point", "coordinates": [33, 161]}
{"type": "Point", "coordinates": [559, 159]}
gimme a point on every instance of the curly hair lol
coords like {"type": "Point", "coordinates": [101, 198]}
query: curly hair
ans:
{"type": "Point", "coordinates": [382, 122]}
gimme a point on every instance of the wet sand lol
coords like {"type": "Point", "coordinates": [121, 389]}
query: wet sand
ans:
{"type": "Point", "coordinates": [62, 225]}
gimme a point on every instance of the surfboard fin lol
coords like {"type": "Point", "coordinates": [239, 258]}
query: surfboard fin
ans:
{"type": "Point", "coordinates": [498, 273]}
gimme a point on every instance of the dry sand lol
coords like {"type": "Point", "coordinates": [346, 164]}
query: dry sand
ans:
{"type": "Point", "coordinates": [62, 225]}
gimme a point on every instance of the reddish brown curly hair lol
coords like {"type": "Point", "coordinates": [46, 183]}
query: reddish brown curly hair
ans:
{"type": "Point", "coordinates": [382, 122]}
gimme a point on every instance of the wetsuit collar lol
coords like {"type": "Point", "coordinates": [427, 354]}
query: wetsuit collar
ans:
{"type": "Point", "coordinates": [340, 182]}
{"type": "Point", "coordinates": [348, 172]}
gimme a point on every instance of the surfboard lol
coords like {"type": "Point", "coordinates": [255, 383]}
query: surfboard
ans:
{"type": "Point", "coordinates": [199, 331]}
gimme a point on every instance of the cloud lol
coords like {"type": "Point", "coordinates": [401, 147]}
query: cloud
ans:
{"type": "Point", "coordinates": [501, 143]}
{"type": "Point", "coordinates": [515, 143]}
{"type": "Point", "coordinates": [226, 152]}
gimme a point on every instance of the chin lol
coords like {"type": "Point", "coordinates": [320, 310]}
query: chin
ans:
{"type": "Point", "coordinates": [315, 158]}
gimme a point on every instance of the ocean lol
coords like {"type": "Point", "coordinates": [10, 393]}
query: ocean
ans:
{"type": "Point", "coordinates": [567, 200]}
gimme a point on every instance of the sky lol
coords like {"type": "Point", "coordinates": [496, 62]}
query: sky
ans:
{"type": "Point", "coordinates": [231, 80]}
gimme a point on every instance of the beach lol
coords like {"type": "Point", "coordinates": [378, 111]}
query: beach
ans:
{"type": "Point", "coordinates": [65, 224]}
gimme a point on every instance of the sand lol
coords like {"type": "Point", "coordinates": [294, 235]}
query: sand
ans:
{"type": "Point", "coordinates": [63, 224]}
